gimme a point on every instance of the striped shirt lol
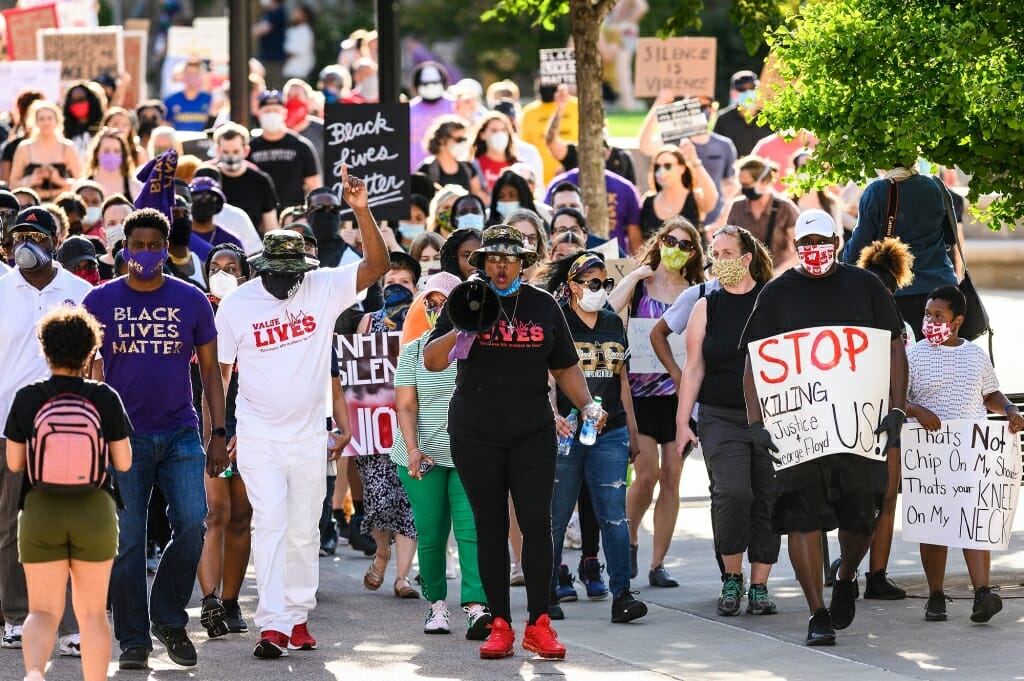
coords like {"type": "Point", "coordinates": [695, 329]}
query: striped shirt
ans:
{"type": "Point", "coordinates": [433, 392]}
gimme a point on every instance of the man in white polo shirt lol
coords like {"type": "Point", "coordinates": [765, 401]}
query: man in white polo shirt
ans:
{"type": "Point", "coordinates": [279, 328]}
{"type": "Point", "coordinates": [29, 291]}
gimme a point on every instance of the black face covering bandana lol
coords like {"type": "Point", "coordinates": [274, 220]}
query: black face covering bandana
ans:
{"type": "Point", "coordinates": [203, 211]}
{"type": "Point", "coordinates": [181, 231]}
{"type": "Point", "coordinates": [281, 286]}
{"type": "Point", "coordinates": [325, 225]}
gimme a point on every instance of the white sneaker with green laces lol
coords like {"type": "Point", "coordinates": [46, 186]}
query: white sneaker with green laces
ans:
{"type": "Point", "coordinates": [438, 619]}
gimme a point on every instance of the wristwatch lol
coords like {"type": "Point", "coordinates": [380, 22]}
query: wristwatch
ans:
{"type": "Point", "coordinates": [219, 432]}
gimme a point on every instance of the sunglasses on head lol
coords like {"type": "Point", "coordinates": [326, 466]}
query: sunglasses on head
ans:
{"type": "Point", "coordinates": [20, 237]}
{"type": "Point", "coordinates": [596, 284]}
{"type": "Point", "coordinates": [681, 244]}
{"type": "Point", "coordinates": [728, 229]}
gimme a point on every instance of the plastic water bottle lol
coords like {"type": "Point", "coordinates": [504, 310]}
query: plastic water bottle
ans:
{"type": "Point", "coordinates": [227, 472]}
{"type": "Point", "coordinates": [588, 432]}
{"type": "Point", "coordinates": [565, 441]}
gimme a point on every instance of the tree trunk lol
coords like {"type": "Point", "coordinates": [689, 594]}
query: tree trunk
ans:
{"type": "Point", "coordinates": [587, 16]}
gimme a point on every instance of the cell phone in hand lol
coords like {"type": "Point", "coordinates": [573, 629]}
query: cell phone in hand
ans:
{"type": "Point", "coordinates": [425, 467]}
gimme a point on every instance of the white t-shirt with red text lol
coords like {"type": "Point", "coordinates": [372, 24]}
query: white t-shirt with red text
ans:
{"type": "Point", "coordinates": [283, 350]}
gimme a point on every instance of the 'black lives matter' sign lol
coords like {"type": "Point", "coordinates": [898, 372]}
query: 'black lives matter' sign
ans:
{"type": "Point", "coordinates": [373, 141]}
{"type": "Point", "coordinates": [558, 66]}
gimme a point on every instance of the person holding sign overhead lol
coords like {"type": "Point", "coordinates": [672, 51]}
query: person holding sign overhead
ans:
{"type": "Point", "coordinates": [951, 378]}
{"type": "Point", "coordinates": [834, 487]}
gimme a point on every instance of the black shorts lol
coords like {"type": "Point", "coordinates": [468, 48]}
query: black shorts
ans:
{"type": "Point", "coordinates": [656, 417]}
{"type": "Point", "coordinates": [840, 490]}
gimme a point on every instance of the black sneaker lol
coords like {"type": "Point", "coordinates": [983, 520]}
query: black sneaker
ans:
{"type": "Point", "coordinates": [986, 604]}
{"type": "Point", "coordinates": [626, 608]}
{"type": "Point", "coordinates": [935, 611]}
{"type": "Point", "coordinates": [328, 546]}
{"type": "Point", "coordinates": [135, 657]}
{"type": "Point", "coordinates": [634, 569]}
{"type": "Point", "coordinates": [360, 542]}
{"type": "Point", "coordinates": [233, 617]}
{"type": "Point", "coordinates": [732, 595]}
{"type": "Point", "coordinates": [758, 602]}
{"type": "Point", "coordinates": [819, 629]}
{"type": "Point", "coordinates": [660, 577]}
{"type": "Point", "coordinates": [879, 587]}
{"type": "Point", "coordinates": [212, 616]}
{"type": "Point", "coordinates": [555, 611]}
{"type": "Point", "coordinates": [179, 647]}
{"type": "Point", "coordinates": [843, 607]}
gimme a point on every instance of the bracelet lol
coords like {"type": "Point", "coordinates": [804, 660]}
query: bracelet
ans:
{"type": "Point", "coordinates": [1006, 411]}
{"type": "Point", "coordinates": [695, 165]}
{"type": "Point", "coordinates": [900, 411]}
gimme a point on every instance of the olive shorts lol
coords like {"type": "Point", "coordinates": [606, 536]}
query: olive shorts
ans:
{"type": "Point", "coordinates": [56, 527]}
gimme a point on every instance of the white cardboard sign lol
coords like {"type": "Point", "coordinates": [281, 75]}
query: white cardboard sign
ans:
{"type": "Point", "coordinates": [642, 359]}
{"type": "Point", "coordinates": [823, 390]}
{"type": "Point", "coordinates": [16, 76]}
{"type": "Point", "coordinates": [960, 484]}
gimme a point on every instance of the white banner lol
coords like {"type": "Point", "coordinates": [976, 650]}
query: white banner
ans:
{"type": "Point", "coordinates": [960, 484]}
{"type": "Point", "coordinates": [642, 359]}
{"type": "Point", "coordinates": [16, 76]}
{"type": "Point", "coordinates": [823, 390]}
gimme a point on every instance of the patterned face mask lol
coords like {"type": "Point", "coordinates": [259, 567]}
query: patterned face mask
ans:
{"type": "Point", "coordinates": [817, 259]}
{"type": "Point", "coordinates": [729, 272]}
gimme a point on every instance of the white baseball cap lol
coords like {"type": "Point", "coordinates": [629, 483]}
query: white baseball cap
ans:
{"type": "Point", "coordinates": [814, 221]}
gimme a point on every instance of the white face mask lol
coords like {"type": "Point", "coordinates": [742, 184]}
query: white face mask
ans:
{"type": "Point", "coordinates": [460, 150]}
{"type": "Point", "coordinates": [93, 214]}
{"type": "Point", "coordinates": [593, 301]}
{"type": "Point", "coordinates": [431, 91]}
{"type": "Point", "coordinates": [498, 141]}
{"type": "Point", "coordinates": [369, 87]}
{"type": "Point", "coordinates": [113, 234]}
{"type": "Point", "coordinates": [222, 283]}
{"type": "Point", "coordinates": [272, 121]}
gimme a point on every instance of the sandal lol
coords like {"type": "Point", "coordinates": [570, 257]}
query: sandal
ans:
{"type": "Point", "coordinates": [405, 591]}
{"type": "Point", "coordinates": [373, 578]}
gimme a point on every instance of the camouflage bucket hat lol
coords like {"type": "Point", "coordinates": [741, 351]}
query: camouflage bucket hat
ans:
{"type": "Point", "coordinates": [284, 252]}
{"type": "Point", "coordinates": [505, 240]}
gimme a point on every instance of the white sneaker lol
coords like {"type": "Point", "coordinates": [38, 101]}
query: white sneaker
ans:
{"type": "Point", "coordinates": [70, 645]}
{"type": "Point", "coordinates": [438, 619]}
{"type": "Point", "coordinates": [12, 636]}
{"type": "Point", "coordinates": [477, 619]}
{"type": "Point", "coordinates": [573, 538]}
{"type": "Point", "coordinates": [517, 578]}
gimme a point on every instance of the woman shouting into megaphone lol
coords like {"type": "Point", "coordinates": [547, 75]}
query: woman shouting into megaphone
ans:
{"type": "Point", "coordinates": [502, 428]}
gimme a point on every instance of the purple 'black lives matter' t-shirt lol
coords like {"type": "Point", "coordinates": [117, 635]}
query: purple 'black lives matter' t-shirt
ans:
{"type": "Point", "coordinates": [623, 203]}
{"type": "Point", "coordinates": [148, 342]}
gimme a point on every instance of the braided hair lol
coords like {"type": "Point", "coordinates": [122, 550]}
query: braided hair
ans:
{"type": "Point", "coordinates": [450, 249]}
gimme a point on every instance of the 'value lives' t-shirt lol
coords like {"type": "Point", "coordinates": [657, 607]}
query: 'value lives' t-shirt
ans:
{"type": "Point", "coordinates": [149, 339]}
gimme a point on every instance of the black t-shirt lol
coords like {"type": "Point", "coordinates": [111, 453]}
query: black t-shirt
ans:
{"type": "Point", "coordinates": [744, 135]}
{"type": "Point", "coordinates": [501, 388]}
{"type": "Point", "coordinates": [650, 223]}
{"type": "Point", "coordinates": [602, 351]}
{"type": "Point", "coordinates": [462, 177]}
{"type": "Point", "coordinates": [288, 161]}
{"type": "Point", "coordinates": [727, 314]}
{"type": "Point", "coordinates": [253, 191]}
{"type": "Point", "coordinates": [850, 296]}
{"type": "Point", "coordinates": [10, 147]}
{"type": "Point", "coordinates": [619, 161]}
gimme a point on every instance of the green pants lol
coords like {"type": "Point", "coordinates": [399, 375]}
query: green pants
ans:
{"type": "Point", "coordinates": [439, 502]}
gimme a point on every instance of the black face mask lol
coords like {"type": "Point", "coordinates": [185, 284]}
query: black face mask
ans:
{"type": "Point", "coordinates": [325, 224]}
{"type": "Point", "coordinates": [147, 124]}
{"type": "Point", "coordinates": [203, 211]}
{"type": "Point", "coordinates": [181, 231]}
{"type": "Point", "coordinates": [547, 93]}
{"type": "Point", "coordinates": [281, 286]}
{"type": "Point", "coordinates": [751, 193]}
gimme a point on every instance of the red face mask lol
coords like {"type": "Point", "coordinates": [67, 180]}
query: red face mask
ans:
{"type": "Point", "coordinates": [817, 260]}
{"type": "Point", "coordinates": [79, 110]}
{"type": "Point", "coordinates": [89, 274]}
{"type": "Point", "coordinates": [937, 333]}
{"type": "Point", "coordinates": [297, 112]}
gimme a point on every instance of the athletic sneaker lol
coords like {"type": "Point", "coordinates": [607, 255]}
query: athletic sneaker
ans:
{"type": "Point", "coordinates": [70, 645]}
{"type": "Point", "coordinates": [555, 611]}
{"type": "Point", "coordinates": [758, 602]}
{"type": "Point", "coordinates": [233, 617]}
{"type": "Point", "coordinates": [843, 606]}
{"type": "Point", "coordinates": [573, 539]}
{"type": "Point", "coordinates": [732, 595]}
{"type": "Point", "coordinates": [176, 641]}
{"type": "Point", "coordinates": [590, 576]}
{"type": "Point", "coordinates": [478, 619]}
{"type": "Point", "coordinates": [877, 586]}
{"type": "Point", "coordinates": [541, 639]}
{"type": "Point", "coordinates": [438, 619]}
{"type": "Point", "coordinates": [213, 616]}
{"type": "Point", "coordinates": [626, 608]}
{"type": "Point", "coordinates": [819, 629]}
{"type": "Point", "coordinates": [273, 644]}
{"type": "Point", "coordinates": [135, 657]}
{"type": "Point", "coordinates": [986, 604]}
{"type": "Point", "coordinates": [12, 636]}
{"type": "Point", "coordinates": [935, 611]}
{"type": "Point", "coordinates": [566, 592]}
{"type": "Point", "coordinates": [501, 641]}
{"type": "Point", "coordinates": [301, 638]}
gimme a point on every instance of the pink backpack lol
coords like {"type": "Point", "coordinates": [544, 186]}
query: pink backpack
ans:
{"type": "Point", "coordinates": [67, 453]}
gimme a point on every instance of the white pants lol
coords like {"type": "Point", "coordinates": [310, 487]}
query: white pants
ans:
{"type": "Point", "coordinates": [286, 483]}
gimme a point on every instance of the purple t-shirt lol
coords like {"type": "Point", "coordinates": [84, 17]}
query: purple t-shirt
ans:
{"type": "Point", "coordinates": [422, 114]}
{"type": "Point", "coordinates": [148, 343]}
{"type": "Point", "coordinates": [623, 202]}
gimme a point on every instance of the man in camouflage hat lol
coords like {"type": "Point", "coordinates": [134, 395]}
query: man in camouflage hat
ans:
{"type": "Point", "coordinates": [279, 329]}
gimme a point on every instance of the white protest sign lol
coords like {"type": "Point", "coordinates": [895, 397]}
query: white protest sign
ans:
{"type": "Point", "coordinates": [558, 67]}
{"type": "Point", "coordinates": [16, 76]}
{"type": "Point", "coordinates": [642, 359]}
{"type": "Point", "coordinates": [680, 120]}
{"type": "Point", "coordinates": [823, 390]}
{"type": "Point", "coordinates": [960, 484]}
{"type": "Point", "coordinates": [609, 249]}
{"type": "Point", "coordinates": [211, 33]}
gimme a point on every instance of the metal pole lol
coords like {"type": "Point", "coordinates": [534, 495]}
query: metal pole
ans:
{"type": "Point", "coordinates": [240, 24]}
{"type": "Point", "coordinates": [389, 50]}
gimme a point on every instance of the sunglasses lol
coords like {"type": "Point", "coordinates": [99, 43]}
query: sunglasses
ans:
{"type": "Point", "coordinates": [665, 166]}
{"type": "Point", "coordinates": [596, 284]}
{"type": "Point", "coordinates": [562, 229]}
{"type": "Point", "coordinates": [728, 229]}
{"type": "Point", "coordinates": [21, 237]}
{"type": "Point", "coordinates": [681, 244]}
{"type": "Point", "coordinates": [507, 258]}
{"type": "Point", "coordinates": [458, 140]}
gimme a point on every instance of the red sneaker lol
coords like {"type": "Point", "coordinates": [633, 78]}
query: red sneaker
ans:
{"type": "Point", "coordinates": [300, 638]}
{"type": "Point", "coordinates": [500, 643]}
{"type": "Point", "coordinates": [272, 644]}
{"type": "Point", "coordinates": [540, 638]}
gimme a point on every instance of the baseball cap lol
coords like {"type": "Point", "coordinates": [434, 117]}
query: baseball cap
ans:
{"type": "Point", "coordinates": [814, 221]}
{"type": "Point", "coordinates": [74, 250]}
{"type": "Point", "coordinates": [206, 184]}
{"type": "Point", "coordinates": [305, 230]}
{"type": "Point", "coordinates": [271, 97]}
{"type": "Point", "coordinates": [8, 200]}
{"type": "Point", "coordinates": [743, 78]}
{"type": "Point", "coordinates": [38, 219]}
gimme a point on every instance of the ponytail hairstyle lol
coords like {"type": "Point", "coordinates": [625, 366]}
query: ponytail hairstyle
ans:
{"type": "Point", "coordinates": [761, 263]}
{"type": "Point", "coordinates": [890, 260]}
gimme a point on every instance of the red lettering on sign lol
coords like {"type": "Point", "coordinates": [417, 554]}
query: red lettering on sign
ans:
{"type": "Point", "coordinates": [762, 352]}
{"type": "Point", "coordinates": [837, 351]}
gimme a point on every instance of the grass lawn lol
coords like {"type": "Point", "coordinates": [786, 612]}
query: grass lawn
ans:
{"type": "Point", "coordinates": [623, 124]}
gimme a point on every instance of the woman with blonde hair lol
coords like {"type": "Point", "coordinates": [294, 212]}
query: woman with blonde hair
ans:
{"type": "Point", "coordinates": [47, 161]}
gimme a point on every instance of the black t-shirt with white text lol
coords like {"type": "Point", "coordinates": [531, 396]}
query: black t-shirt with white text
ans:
{"type": "Point", "coordinates": [288, 161]}
{"type": "Point", "coordinates": [603, 351]}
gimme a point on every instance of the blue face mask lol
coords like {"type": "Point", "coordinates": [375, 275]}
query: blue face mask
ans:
{"type": "Point", "coordinates": [505, 208]}
{"type": "Point", "coordinates": [747, 98]}
{"type": "Point", "coordinates": [512, 289]}
{"type": "Point", "coordinates": [471, 220]}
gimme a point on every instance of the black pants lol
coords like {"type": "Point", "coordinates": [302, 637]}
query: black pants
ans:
{"type": "Point", "coordinates": [912, 310]}
{"type": "Point", "coordinates": [490, 471]}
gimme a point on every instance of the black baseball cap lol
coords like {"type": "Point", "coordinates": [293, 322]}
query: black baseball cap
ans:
{"type": "Point", "coordinates": [270, 97]}
{"type": "Point", "coordinates": [305, 230]}
{"type": "Point", "coordinates": [74, 250]}
{"type": "Point", "coordinates": [38, 219]}
{"type": "Point", "coordinates": [8, 200]}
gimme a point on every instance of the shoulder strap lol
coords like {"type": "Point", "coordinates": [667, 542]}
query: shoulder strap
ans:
{"type": "Point", "coordinates": [774, 211]}
{"type": "Point", "coordinates": [638, 294]}
{"type": "Point", "coordinates": [892, 208]}
{"type": "Point", "coordinates": [701, 291]}
{"type": "Point", "coordinates": [947, 201]}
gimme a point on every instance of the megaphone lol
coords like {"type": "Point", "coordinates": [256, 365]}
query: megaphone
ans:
{"type": "Point", "coordinates": [473, 306]}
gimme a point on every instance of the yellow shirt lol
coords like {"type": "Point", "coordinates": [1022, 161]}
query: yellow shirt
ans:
{"type": "Point", "coordinates": [535, 121]}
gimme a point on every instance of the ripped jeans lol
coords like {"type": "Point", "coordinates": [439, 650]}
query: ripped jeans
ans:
{"type": "Point", "coordinates": [603, 466]}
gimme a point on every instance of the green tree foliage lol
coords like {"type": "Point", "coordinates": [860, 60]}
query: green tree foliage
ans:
{"type": "Point", "coordinates": [882, 82]}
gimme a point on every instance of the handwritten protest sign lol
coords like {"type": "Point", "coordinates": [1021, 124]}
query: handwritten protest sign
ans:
{"type": "Point", "coordinates": [642, 359]}
{"type": "Point", "coordinates": [84, 53]}
{"type": "Point", "coordinates": [16, 76]}
{"type": "Point", "coordinates": [960, 484]}
{"type": "Point", "coordinates": [684, 65]}
{"type": "Point", "coordinates": [618, 267]}
{"type": "Point", "coordinates": [22, 24]}
{"type": "Point", "coordinates": [680, 120]}
{"type": "Point", "coordinates": [823, 390]}
{"type": "Point", "coordinates": [367, 364]}
{"type": "Point", "coordinates": [558, 67]}
{"type": "Point", "coordinates": [135, 65]}
{"type": "Point", "coordinates": [373, 141]}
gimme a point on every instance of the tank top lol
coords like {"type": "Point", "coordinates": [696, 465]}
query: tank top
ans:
{"type": "Point", "coordinates": [649, 385]}
{"type": "Point", "coordinates": [31, 167]}
{"type": "Point", "coordinates": [650, 223]}
{"type": "Point", "coordinates": [723, 360]}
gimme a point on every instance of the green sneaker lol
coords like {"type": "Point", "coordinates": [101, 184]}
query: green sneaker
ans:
{"type": "Point", "coordinates": [732, 594]}
{"type": "Point", "coordinates": [758, 602]}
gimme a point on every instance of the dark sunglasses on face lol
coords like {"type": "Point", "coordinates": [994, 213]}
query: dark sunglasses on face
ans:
{"type": "Point", "coordinates": [681, 244]}
{"type": "Point", "coordinates": [596, 284]}
{"type": "Point", "coordinates": [38, 237]}
{"type": "Point", "coordinates": [664, 166]}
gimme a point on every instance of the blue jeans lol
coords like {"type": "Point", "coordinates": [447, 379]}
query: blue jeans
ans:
{"type": "Point", "coordinates": [175, 461]}
{"type": "Point", "coordinates": [603, 466]}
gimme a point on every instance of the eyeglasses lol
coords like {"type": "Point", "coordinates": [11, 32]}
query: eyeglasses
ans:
{"type": "Point", "coordinates": [665, 166]}
{"type": "Point", "coordinates": [564, 228]}
{"type": "Point", "coordinates": [507, 258]}
{"type": "Point", "coordinates": [530, 238]}
{"type": "Point", "coordinates": [681, 244]}
{"type": "Point", "coordinates": [596, 284]}
{"type": "Point", "coordinates": [21, 237]}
